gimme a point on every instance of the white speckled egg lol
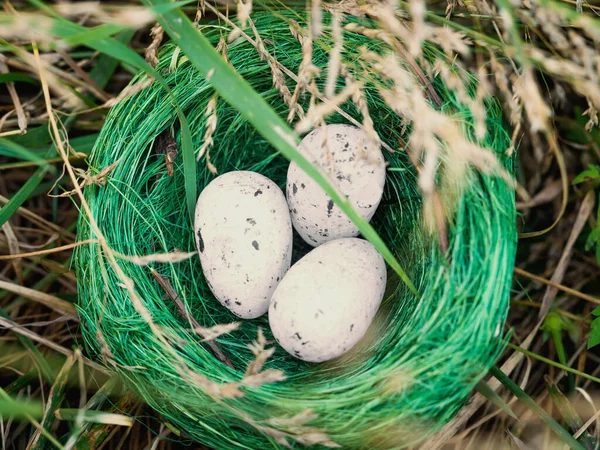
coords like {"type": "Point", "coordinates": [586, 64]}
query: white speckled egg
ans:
{"type": "Point", "coordinates": [354, 163]}
{"type": "Point", "coordinates": [327, 300]}
{"type": "Point", "coordinates": [244, 238]}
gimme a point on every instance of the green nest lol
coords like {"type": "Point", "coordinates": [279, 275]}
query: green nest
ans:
{"type": "Point", "coordinates": [422, 356]}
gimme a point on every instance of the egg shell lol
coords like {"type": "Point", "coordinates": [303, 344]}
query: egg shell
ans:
{"type": "Point", "coordinates": [244, 239]}
{"type": "Point", "coordinates": [327, 300]}
{"type": "Point", "coordinates": [354, 164]}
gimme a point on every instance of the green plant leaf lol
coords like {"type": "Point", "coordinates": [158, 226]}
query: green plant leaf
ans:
{"type": "Point", "coordinates": [592, 172]}
{"type": "Point", "coordinates": [238, 93]}
{"type": "Point", "coordinates": [594, 338]}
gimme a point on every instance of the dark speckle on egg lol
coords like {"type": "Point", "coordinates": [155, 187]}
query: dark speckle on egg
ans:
{"type": "Point", "coordinates": [258, 192]}
{"type": "Point", "coordinates": [238, 303]}
{"type": "Point", "coordinates": [303, 186]}
{"type": "Point", "coordinates": [255, 244]}
{"type": "Point", "coordinates": [200, 241]}
{"type": "Point", "coordinates": [329, 207]}
{"type": "Point", "coordinates": [294, 188]}
{"type": "Point", "coordinates": [298, 336]}
{"type": "Point", "coordinates": [251, 221]}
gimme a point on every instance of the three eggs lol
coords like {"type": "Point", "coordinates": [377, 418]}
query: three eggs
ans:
{"type": "Point", "coordinates": [323, 305]}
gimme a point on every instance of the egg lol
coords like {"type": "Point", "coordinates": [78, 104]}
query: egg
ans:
{"type": "Point", "coordinates": [244, 238]}
{"type": "Point", "coordinates": [354, 164]}
{"type": "Point", "coordinates": [327, 300]}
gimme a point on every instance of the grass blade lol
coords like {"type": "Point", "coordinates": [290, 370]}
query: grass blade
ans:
{"type": "Point", "coordinates": [73, 414]}
{"type": "Point", "coordinates": [17, 77]}
{"type": "Point", "coordinates": [106, 65]}
{"type": "Point", "coordinates": [23, 194]}
{"type": "Point", "coordinates": [554, 363]}
{"type": "Point", "coordinates": [31, 184]}
{"type": "Point", "coordinates": [569, 414]}
{"type": "Point", "coordinates": [238, 93]}
{"type": "Point", "coordinates": [563, 434]}
{"type": "Point", "coordinates": [94, 34]}
{"type": "Point", "coordinates": [55, 398]}
{"type": "Point", "coordinates": [485, 390]}
{"type": "Point", "coordinates": [14, 150]}
{"type": "Point", "coordinates": [18, 409]}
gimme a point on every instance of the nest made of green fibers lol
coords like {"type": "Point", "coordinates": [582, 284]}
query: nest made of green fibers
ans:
{"type": "Point", "coordinates": [421, 357]}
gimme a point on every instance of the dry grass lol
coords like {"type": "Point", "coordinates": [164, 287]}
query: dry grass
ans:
{"type": "Point", "coordinates": [540, 58]}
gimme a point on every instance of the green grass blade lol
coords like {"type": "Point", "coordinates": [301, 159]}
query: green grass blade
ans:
{"type": "Point", "coordinates": [18, 409]}
{"type": "Point", "coordinates": [17, 77]}
{"type": "Point", "coordinates": [84, 144]}
{"type": "Point", "coordinates": [554, 363]}
{"type": "Point", "coordinates": [22, 194]}
{"type": "Point", "coordinates": [237, 92]}
{"type": "Point", "coordinates": [563, 434]}
{"type": "Point", "coordinates": [55, 398]}
{"type": "Point", "coordinates": [14, 150]}
{"type": "Point", "coordinates": [94, 34]}
{"type": "Point", "coordinates": [22, 382]}
{"type": "Point", "coordinates": [106, 64]}
{"type": "Point", "coordinates": [35, 353]}
{"type": "Point", "coordinates": [37, 139]}
{"type": "Point", "coordinates": [484, 389]}
{"type": "Point", "coordinates": [30, 185]}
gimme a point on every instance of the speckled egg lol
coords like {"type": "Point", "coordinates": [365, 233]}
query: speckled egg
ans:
{"type": "Point", "coordinates": [327, 300]}
{"type": "Point", "coordinates": [244, 238]}
{"type": "Point", "coordinates": [354, 163]}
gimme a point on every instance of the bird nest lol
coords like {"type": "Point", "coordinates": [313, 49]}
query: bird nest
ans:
{"type": "Point", "coordinates": [151, 319]}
